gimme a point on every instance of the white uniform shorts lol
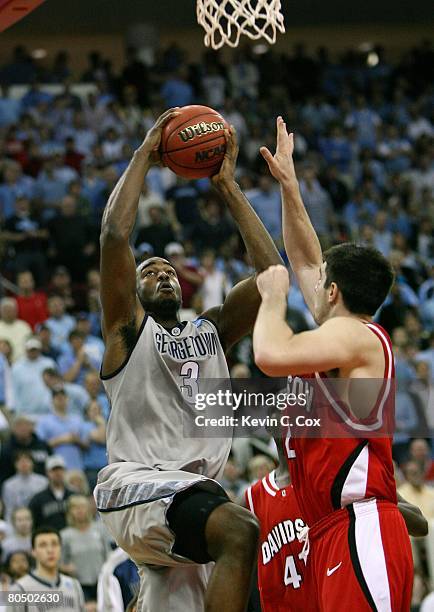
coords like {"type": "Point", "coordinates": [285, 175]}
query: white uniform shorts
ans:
{"type": "Point", "coordinates": [133, 502]}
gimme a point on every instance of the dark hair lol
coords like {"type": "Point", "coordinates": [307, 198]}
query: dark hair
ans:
{"type": "Point", "coordinates": [46, 529]}
{"type": "Point", "coordinates": [16, 552]}
{"type": "Point", "coordinates": [75, 334]}
{"type": "Point", "coordinates": [23, 453]}
{"type": "Point", "coordinates": [362, 274]}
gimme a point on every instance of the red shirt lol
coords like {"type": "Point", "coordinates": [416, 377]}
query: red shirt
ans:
{"type": "Point", "coordinates": [33, 308]}
{"type": "Point", "coordinates": [188, 289]}
{"type": "Point", "coordinates": [331, 473]}
{"type": "Point", "coordinates": [282, 575]}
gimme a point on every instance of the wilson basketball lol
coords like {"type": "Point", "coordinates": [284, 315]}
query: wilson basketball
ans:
{"type": "Point", "coordinates": [193, 143]}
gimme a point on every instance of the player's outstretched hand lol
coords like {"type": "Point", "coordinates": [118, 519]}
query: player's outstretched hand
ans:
{"type": "Point", "coordinates": [226, 174]}
{"type": "Point", "coordinates": [273, 281]}
{"type": "Point", "coordinates": [281, 164]}
{"type": "Point", "coordinates": [151, 144]}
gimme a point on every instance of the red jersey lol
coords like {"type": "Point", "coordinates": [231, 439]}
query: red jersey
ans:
{"type": "Point", "coordinates": [331, 473]}
{"type": "Point", "coordinates": [281, 573]}
{"type": "Point", "coordinates": [32, 309]}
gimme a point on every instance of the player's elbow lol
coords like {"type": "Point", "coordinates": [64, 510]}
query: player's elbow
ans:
{"type": "Point", "coordinates": [111, 233]}
{"type": "Point", "coordinates": [268, 362]}
{"type": "Point", "coordinates": [420, 529]}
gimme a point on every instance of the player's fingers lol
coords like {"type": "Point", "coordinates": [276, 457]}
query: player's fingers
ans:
{"type": "Point", "coordinates": [291, 143]}
{"type": "Point", "coordinates": [231, 142]}
{"type": "Point", "coordinates": [266, 154]}
{"type": "Point", "coordinates": [166, 116]}
{"type": "Point", "coordinates": [282, 135]}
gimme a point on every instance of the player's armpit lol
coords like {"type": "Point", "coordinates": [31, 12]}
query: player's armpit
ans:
{"type": "Point", "coordinates": [236, 316]}
{"type": "Point", "coordinates": [337, 343]}
{"type": "Point", "coordinates": [416, 523]}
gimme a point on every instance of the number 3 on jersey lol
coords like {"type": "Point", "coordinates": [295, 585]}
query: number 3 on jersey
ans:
{"type": "Point", "coordinates": [291, 576]}
{"type": "Point", "coordinates": [189, 373]}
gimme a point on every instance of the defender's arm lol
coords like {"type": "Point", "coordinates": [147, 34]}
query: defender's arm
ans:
{"type": "Point", "coordinates": [301, 242]}
{"type": "Point", "coordinates": [279, 352]}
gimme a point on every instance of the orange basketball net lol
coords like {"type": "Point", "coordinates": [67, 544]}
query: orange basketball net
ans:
{"type": "Point", "coordinates": [224, 21]}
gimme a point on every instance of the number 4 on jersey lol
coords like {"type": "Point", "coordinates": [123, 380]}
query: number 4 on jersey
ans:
{"type": "Point", "coordinates": [291, 576]}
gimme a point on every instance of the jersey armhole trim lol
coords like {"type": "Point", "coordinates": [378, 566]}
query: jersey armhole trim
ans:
{"type": "Point", "coordinates": [222, 342]}
{"type": "Point", "coordinates": [127, 358]}
{"type": "Point", "coordinates": [249, 499]}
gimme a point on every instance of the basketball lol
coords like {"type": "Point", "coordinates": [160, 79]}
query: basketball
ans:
{"type": "Point", "coordinates": [193, 144]}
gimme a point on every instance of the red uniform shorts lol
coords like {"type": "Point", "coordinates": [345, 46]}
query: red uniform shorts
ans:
{"type": "Point", "coordinates": [361, 559]}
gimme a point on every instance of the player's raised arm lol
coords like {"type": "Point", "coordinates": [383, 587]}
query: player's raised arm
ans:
{"type": "Point", "coordinates": [120, 304]}
{"type": "Point", "coordinates": [279, 352]}
{"type": "Point", "coordinates": [236, 317]}
{"type": "Point", "coordinates": [301, 242]}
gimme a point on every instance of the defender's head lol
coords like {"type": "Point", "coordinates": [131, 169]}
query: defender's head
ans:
{"type": "Point", "coordinates": [352, 277]}
{"type": "Point", "coordinates": [158, 287]}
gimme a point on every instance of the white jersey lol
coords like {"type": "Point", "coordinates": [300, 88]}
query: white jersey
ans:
{"type": "Point", "coordinates": [148, 399]}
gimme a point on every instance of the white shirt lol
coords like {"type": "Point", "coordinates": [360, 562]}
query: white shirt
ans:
{"type": "Point", "coordinates": [16, 333]}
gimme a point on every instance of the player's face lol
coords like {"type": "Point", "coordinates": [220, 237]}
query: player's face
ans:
{"type": "Point", "coordinates": [321, 305]}
{"type": "Point", "coordinates": [47, 550]}
{"type": "Point", "coordinates": [157, 285]}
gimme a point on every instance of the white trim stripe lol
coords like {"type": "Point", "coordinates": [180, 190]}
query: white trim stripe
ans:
{"type": "Point", "coordinates": [250, 500]}
{"type": "Point", "coordinates": [371, 553]}
{"type": "Point", "coordinates": [267, 487]}
{"type": "Point", "coordinates": [357, 480]}
{"type": "Point", "coordinates": [389, 364]}
{"type": "Point", "coordinates": [272, 480]}
{"type": "Point", "coordinates": [344, 416]}
{"type": "Point", "coordinates": [386, 341]}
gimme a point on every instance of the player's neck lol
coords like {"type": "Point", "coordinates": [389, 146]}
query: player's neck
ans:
{"type": "Point", "coordinates": [166, 317]}
{"type": "Point", "coordinates": [341, 311]}
{"type": "Point", "coordinates": [164, 321]}
{"type": "Point", "coordinates": [282, 477]}
{"type": "Point", "coordinates": [47, 573]}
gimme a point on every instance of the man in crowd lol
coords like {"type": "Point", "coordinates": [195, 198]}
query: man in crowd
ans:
{"type": "Point", "coordinates": [30, 393]}
{"type": "Point", "coordinates": [13, 329]}
{"type": "Point", "coordinates": [49, 506]}
{"type": "Point", "coordinates": [21, 538]}
{"type": "Point", "coordinates": [62, 431]}
{"type": "Point", "coordinates": [47, 550]}
{"type": "Point", "coordinates": [18, 490]}
{"type": "Point", "coordinates": [23, 438]}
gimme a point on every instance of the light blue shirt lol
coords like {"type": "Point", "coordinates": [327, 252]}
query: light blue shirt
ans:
{"type": "Point", "coordinates": [53, 425]}
{"type": "Point", "coordinates": [405, 416]}
{"type": "Point", "coordinates": [268, 207]}
{"type": "Point", "coordinates": [31, 395]}
{"type": "Point", "coordinates": [60, 330]}
{"type": "Point", "coordinates": [78, 398]}
{"type": "Point", "coordinates": [95, 457]}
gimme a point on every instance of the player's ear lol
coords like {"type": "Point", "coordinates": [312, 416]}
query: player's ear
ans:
{"type": "Point", "coordinates": [333, 292]}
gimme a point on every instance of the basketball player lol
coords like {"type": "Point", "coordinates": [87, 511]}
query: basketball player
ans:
{"type": "Point", "coordinates": [284, 579]}
{"type": "Point", "coordinates": [282, 573]}
{"type": "Point", "coordinates": [345, 487]}
{"type": "Point", "coordinates": [158, 496]}
{"type": "Point", "coordinates": [46, 579]}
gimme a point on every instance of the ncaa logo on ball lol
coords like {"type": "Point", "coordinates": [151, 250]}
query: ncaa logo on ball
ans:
{"type": "Point", "coordinates": [207, 154]}
{"type": "Point", "coordinates": [200, 129]}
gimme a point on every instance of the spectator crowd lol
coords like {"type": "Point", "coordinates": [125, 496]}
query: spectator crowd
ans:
{"type": "Point", "coordinates": [364, 150]}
